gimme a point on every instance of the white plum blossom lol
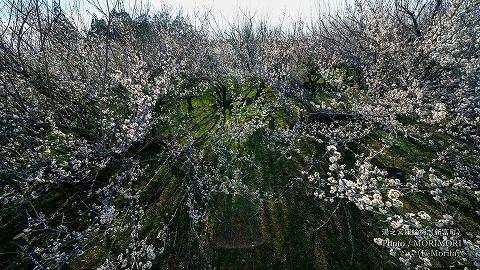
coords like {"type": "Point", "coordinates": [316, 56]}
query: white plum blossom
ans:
{"type": "Point", "coordinates": [142, 141]}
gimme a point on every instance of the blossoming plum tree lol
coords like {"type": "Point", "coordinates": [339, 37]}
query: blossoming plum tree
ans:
{"type": "Point", "coordinates": [122, 139]}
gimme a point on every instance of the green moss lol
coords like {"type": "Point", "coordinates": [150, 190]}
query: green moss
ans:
{"type": "Point", "coordinates": [242, 232]}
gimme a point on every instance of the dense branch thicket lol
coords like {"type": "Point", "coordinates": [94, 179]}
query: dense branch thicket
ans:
{"type": "Point", "coordinates": [143, 141]}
